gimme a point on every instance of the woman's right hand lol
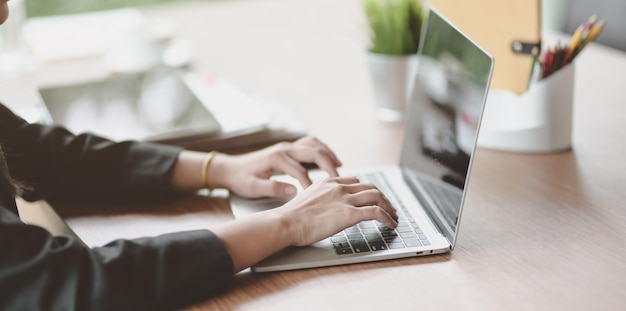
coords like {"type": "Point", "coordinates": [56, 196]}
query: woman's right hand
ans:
{"type": "Point", "coordinates": [331, 205]}
{"type": "Point", "coordinates": [321, 210]}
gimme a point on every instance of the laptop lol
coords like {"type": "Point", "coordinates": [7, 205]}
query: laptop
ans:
{"type": "Point", "coordinates": [158, 105]}
{"type": "Point", "coordinates": [428, 185]}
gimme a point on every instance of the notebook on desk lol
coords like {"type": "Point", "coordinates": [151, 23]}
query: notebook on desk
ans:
{"type": "Point", "coordinates": [428, 185]}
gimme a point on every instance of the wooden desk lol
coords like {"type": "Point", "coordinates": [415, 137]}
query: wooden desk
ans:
{"type": "Point", "coordinates": [539, 232]}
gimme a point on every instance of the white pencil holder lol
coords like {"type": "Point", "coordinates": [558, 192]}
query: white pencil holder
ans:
{"type": "Point", "coordinates": [538, 121]}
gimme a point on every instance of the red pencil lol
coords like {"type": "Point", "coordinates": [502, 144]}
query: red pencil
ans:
{"type": "Point", "coordinates": [548, 58]}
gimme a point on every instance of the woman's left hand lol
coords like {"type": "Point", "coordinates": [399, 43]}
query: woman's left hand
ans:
{"type": "Point", "coordinates": [249, 174]}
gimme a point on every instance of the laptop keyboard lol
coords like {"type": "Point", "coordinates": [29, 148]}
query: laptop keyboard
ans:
{"type": "Point", "coordinates": [445, 198]}
{"type": "Point", "coordinates": [372, 236]}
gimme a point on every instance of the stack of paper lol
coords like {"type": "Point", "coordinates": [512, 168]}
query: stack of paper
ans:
{"type": "Point", "coordinates": [247, 122]}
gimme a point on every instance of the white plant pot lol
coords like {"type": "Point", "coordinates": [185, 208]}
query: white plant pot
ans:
{"type": "Point", "coordinates": [392, 79]}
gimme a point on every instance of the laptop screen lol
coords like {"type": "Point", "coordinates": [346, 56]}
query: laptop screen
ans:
{"type": "Point", "coordinates": [442, 121]}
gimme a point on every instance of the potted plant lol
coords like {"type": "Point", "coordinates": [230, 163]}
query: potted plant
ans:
{"type": "Point", "coordinates": [394, 28]}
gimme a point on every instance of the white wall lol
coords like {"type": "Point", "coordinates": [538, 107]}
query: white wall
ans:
{"type": "Point", "coordinates": [566, 15]}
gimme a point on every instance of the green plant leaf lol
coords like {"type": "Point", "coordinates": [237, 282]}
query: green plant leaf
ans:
{"type": "Point", "coordinates": [394, 25]}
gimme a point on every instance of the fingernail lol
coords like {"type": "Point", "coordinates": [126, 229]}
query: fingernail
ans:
{"type": "Point", "coordinates": [290, 191]}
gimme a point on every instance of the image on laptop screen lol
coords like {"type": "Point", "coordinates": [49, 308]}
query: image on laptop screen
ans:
{"type": "Point", "coordinates": [452, 79]}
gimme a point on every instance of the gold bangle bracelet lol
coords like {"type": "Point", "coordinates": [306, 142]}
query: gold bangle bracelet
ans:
{"type": "Point", "coordinates": [205, 168]}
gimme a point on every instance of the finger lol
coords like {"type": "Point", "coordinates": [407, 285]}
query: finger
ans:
{"type": "Point", "coordinates": [377, 213]}
{"type": "Point", "coordinates": [322, 158]}
{"type": "Point", "coordinates": [271, 188]}
{"type": "Point", "coordinates": [327, 166]}
{"type": "Point", "coordinates": [318, 143]}
{"type": "Point", "coordinates": [344, 180]}
{"type": "Point", "coordinates": [373, 197]}
{"type": "Point", "coordinates": [358, 187]}
{"type": "Point", "coordinates": [293, 168]}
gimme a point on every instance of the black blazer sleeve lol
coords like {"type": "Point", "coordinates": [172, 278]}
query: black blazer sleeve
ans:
{"type": "Point", "coordinates": [58, 164]}
{"type": "Point", "coordinates": [42, 272]}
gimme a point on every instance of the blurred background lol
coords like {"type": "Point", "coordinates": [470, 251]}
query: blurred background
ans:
{"type": "Point", "coordinates": [55, 7]}
{"type": "Point", "coordinates": [561, 15]}
{"type": "Point", "coordinates": [566, 15]}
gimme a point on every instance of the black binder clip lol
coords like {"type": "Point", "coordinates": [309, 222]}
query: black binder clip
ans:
{"type": "Point", "coordinates": [520, 47]}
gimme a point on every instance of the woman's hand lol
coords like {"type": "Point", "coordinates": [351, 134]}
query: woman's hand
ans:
{"type": "Point", "coordinates": [321, 210]}
{"type": "Point", "coordinates": [331, 205]}
{"type": "Point", "coordinates": [248, 174]}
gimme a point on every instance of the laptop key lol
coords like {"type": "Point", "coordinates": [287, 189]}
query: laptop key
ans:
{"type": "Point", "coordinates": [395, 245]}
{"type": "Point", "coordinates": [412, 242]}
{"type": "Point", "coordinates": [367, 224]}
{"type": "Point", "coordinates": [352, 230]}
{"type": "Point", "coordinates": [378, 245]}
{"type": "Point", "coordinates": [369, 231]}
{"type": "Point", "coordinates": [408, 235]}
{"type": "Point", "coordinates": [373, 237]}
{"type": "Point", "coordinates": [385, 229]}
{"type": "Point", "coordinates": [341, 245]}
{"type": "Point", "coordinates": [338, 239]}
{"type": "Point", "coordinates": [360, 247]}
{"type": "Point", "coordinates": [389, 234]}
{"type": "Point", "coordinates": [343, 251]}
{"type": "Point", "coordinates": [401, 229]}
{"type": "Point", "coordinates": [354, 236]}
{"type": "Point", "coordinates": [393, 239]}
